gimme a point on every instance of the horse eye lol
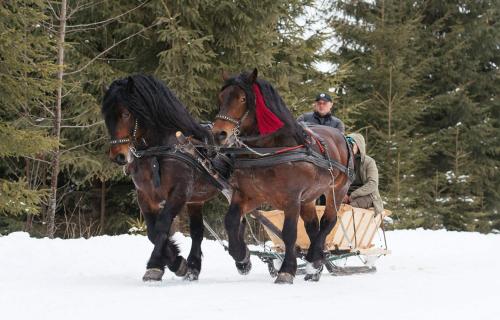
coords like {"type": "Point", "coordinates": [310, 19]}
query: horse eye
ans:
{"type": "Point", "coordinates": [126, 115]}
{"type": "Point", "coordinates": [243, 99]}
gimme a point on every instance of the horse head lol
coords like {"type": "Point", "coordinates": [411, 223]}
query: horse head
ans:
{"type": "Point", "coordinates": [235, 114]}
{"type": "Point", "coordinates": [121, 122]}
{"type": "Point", "coordinates": [140, 111]}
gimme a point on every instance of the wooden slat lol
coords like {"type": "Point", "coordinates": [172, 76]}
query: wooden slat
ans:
{"type": "Point", "coordinates": [366, 228]}
{"type": "Point", "coordinates": [364, 242]}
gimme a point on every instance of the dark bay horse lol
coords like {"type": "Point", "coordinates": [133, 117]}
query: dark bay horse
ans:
{"type": "Point", "coordinates": [253, 115]}
{"type": "Point", "coordinates": [141, 113]}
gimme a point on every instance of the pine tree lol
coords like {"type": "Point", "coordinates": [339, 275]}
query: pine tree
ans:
{"type": "Point", "coordinates": [460, 120]}
{"type": "Point", "coordinates": [25, 67]}
{"type": "Point", "coordinates": [235, 36]}
{"type": "Point", "coordinates": [378, 41]}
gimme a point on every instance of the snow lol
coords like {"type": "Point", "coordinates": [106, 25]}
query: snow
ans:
{"type": "Point", "coordinates": [429, 275]}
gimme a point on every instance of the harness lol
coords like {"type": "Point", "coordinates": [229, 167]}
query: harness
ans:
{"type": "Point", "coordinates": [274, 156]}
{"type": "Point", "coordinates": [215, 170]}
{"type": "Point", "coordinates": [180, 152]}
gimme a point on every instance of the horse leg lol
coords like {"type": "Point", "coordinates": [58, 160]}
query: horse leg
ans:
{"type": "Point", "coordinates": [311, 221]}
{"type": "Point", "coordinates": [155, 269]}
{"type": "Point", "coordinates": [152, 273]}
{"type": "Point", "coordinates": [235, 231]}
{"type": "Point", "coordinates": [165, 252]}
{"type": "Point", "coordinates": [289, 233]}
{"type": "Point", "coordinates": [196, 231]}
{"type": "Point", "coordinates": [315, 254]}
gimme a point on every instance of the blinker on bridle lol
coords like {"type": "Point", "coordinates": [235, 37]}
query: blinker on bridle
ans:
{"type": "Point", "coordinates": [126, 140]}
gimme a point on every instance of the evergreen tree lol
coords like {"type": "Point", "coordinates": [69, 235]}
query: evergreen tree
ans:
{"type": "Point", "coordinates": [460, 120]}
{"type": "Point", "coordinates": [25, 67]}
{"type": "Point", "coordinates": [424, 90]}
{"type": "Point", "coordinates": [378, 41]}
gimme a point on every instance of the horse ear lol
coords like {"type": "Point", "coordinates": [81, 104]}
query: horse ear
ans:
{"type": "Point", "coordinates": [130, 84]}
{"type": "Point", "coordinates": [253, 76]}
{"type": "Point", "coordinates": [225, 75]}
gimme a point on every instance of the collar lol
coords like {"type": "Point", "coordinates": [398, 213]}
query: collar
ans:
{"type": "Point", "coordinates": [328, 115]}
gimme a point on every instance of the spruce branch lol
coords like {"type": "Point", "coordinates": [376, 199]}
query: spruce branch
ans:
{"type": "Point", "coordinates": [104, 22]}
{"type": "Point", "coordinates": [82, 145]}
{"type": "Point", "coordinates": [110, 48]}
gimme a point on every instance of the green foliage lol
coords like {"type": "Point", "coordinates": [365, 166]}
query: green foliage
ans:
{"type": "Point", "coordinates": [419, 79]}
{"type": "Point", "coordinates": [17, 198]}
{"type": "Point", "coordinates": [424, 90]}
{"type": "Point", "coordinates": [26, 86]}
{"type": "Point", "coordinates": [18, 142]}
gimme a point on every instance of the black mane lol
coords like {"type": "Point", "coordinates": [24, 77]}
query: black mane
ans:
{"type": "Point", "coordinates": [273, 101]}
{"type": "Point", "coordinates": [155, 107]}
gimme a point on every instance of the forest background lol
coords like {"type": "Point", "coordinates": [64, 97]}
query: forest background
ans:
{"type": "Point", "coordinates": [419, 79]}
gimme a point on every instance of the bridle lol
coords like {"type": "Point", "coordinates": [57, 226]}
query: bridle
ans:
{"type": "Point", "coordinates": [132, 140]}
{"type": "Point", "coordinates": [126, 140]}
{"type": "Point", "coordinates": [236, 131]}
{"type": "Point", "coordinates": [236, 122]}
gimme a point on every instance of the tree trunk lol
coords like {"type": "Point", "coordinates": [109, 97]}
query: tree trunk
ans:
{"type": "Point", "coordinates": [57, 122]}
{"type": "Point", "coordinates": [398, 182]}
{"type": "Point", "coordinates": [457, 154]}
{"type": "Point", "coordinates": [103, 206]}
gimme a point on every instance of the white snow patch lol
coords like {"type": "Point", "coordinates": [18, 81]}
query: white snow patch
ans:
{"type": "Point", "coordinates": [429, 275]}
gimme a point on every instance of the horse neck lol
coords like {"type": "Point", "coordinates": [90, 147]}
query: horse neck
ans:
{"type": "Point", "coordinates": [154, 139]}
{"type": "Point", "coordinates": [279, 139]}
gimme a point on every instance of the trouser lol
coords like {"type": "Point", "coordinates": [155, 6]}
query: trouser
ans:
{"type": "Point", "coordinates": [364, 202]}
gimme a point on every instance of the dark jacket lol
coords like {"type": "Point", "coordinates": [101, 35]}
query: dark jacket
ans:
{"type": "Point", "coordinates": [326, 120]}
{"type": "Point", "coordinates": [369, 175]}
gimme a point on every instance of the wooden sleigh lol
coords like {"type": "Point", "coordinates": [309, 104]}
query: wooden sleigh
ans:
{"type": "Point", "coordinates": [352, 235]}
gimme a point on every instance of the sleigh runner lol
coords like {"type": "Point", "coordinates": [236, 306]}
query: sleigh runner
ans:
{"type": "Point", "coordinates": [352, 235]}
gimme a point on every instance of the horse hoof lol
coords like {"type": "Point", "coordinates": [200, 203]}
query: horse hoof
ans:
{"type": "Point", "coordinates": [312, 277]}
{"type": "Point", "coordinates": [313, 271]}
{"type": "Point", "coordinates": [284, 278]}
{"type": "Point", "coordinates": [244, 267]}
{"type": "Point", "coordinates": [153, 274]}
{"type": "Point", "coordinates": [192, 275]}
{"type": "Point", "coordinates": [183, 268]}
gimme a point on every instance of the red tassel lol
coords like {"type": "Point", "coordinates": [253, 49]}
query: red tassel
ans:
{"type": "Point", "coordinates": [267, 121]}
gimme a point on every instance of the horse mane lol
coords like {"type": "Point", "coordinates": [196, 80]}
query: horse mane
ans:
{"type": "Point", "coordinates": [273, 101]}
{"type": "Point", "coordinates": [153, 105]}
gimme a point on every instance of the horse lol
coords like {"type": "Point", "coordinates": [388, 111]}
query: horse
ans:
{"type": "Point", "coordinates": [141, 114]}
{"type": "Point", "coordinates": [252, 115]}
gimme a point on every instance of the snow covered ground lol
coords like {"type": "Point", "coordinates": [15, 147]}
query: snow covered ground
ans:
{"type": "Point", "coordinates": [430, 275]}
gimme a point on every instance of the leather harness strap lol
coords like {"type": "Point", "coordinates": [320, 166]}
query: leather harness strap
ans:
{"type": "Point", "coordinates": [178, 154]}
{"type": "Point", "coordinates": [297, 155]}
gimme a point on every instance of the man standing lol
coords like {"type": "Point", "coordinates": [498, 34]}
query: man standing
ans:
{"type": "Point", "coordinates": [363, 192]}
{"type": "Point", "coordinates": [322, 113]}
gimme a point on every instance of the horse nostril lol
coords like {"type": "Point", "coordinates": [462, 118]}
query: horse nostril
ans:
{"type": "Point", "coordinates": [220, 136]}
{"type": "Point", "coordinates": [120, 159]}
